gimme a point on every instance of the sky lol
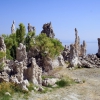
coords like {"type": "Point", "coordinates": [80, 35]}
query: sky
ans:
{"type": "Point", "coordinates": [65, 16]}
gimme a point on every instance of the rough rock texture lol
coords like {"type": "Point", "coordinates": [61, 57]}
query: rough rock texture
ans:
{"type": "Point", "coordinates": [4, 77]}
{"type": "Point", "coordinates": [49, 81]}
{"type": "Point", "coordinates": [66, 53]}
{"type": "Point", "coordinates": [48, 30]}
{"type": "Point", "coordinates": [61, 60]}
{"type": "Point", "coordinates": [30, 28]}
{"type": "Point", "coordinates": [33, 73]}
{"type": "Point", "coordinates": [74, 58]}
{"type": "Point", "coordinates": [47, 64]}
{"type": "Point", "coordinates": [90, 61]}
{"type": "Point", "coordinates": [24, 84]}
{"type": "Point", "coordinates": [2, 45]}
{"type": "Point", "coordinates": [23, 70]}
{"type": "Point", "coordinates": [76, 50]}
{"type": "Point", "coordinates": [80, 49]}
{"type": "Point", "coordinates": [18, 70]}
{"type": "Point", "coordinates": [98, 54]}
{"type": "Point", "coordinates": [2, 49]}
{"type": "Point", "coordinates": [13, 30]}
{"type": "Point", "coordinates": [21, 54]}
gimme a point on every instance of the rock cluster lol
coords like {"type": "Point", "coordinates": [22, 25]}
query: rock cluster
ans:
{"type": "Point", "coordinates": [90, 61]}
{"type": "Point", "coordinates": [48, 30]}
{"type": "Point", "coordinates": [75, 51]}
{"type": "Point", "coordinates": [21, 54]}
{"type": "Point", "coordinates": [80, 49]}
{"type": "Point", "coordinates": [21, 71]}
{"type": "Point", "coordinates": [47, 63]}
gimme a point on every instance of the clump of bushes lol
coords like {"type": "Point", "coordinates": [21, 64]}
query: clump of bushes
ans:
{"type": "Point", "coordinates": [65, 82]}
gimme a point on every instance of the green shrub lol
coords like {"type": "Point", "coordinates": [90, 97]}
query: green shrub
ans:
{"type": "Point", "coordinates": [62, 83]}
{"type": "Point", "coordinates": [31, 87]}
{"type": "Point", "coordinates": [11, 88]}
{"type": "Point", "coordinates": [2, 54]}
{"type": "Point", "coordinates": [65, 82]}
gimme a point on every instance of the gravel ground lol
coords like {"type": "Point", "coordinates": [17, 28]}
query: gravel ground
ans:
{"type": "Point", "coordinates": [90, 90]}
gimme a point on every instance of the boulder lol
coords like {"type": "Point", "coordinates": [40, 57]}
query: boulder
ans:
{"type": "Point", "coordinates": [48, 30]}
{"type": "Point", "coordinates": [49, 81]}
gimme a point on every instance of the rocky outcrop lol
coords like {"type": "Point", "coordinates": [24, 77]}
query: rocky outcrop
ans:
{"type": "Point", "coordinates": [49, 81]}
{"type": "Point", "coordinates": [90, 61]}
{"type": "Point", "coordinates": [74, 57]}
{"type": "Point", "coordinates": [30, 28]}
{"type": "Point", "coordinates": [98, 53]}
{"type": "Point", "coordinates": [13, 30]}
{"type": "Point", "coordinates": [33, 73]}
{"type": "Point", "coordinates": [21, 54]}
{"type": "Point", "coordinates": [4, 77]}
{"type": "Point", "coordinates": [47, 65]}
{"type": "Point", "coordinates": [66, 53]}
{"type": "Point", "coordinates": [18, 70]}
{"type": "Point", "coordinates": [83, 49]}
{"type": "Point", "coordinates": [2, 50]}
{"type": "Point", "coordinates": [76, 50]}
{"type": "Point", "coordinates": [80, 49]}
{"type": "Point", "coordinates": [48, 30]}
{"type": "Point", "coordinates": [21, 71]}
{"type": "Point", "coordinates": [61, 60]}
{"type": "Point", "coordinates": [2, 45]}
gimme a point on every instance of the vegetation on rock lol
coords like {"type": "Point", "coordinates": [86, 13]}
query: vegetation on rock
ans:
{"type": "Point", "coordinates": [47, 46]}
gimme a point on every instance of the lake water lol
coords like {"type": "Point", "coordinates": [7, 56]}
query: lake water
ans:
{"type": "Point", "coordinates": [92, 47]}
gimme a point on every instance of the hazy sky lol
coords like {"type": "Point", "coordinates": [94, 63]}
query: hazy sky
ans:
{"type": "Point", "coordinates": [65, 15]}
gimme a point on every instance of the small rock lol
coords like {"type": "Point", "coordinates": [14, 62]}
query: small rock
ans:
{"type": "Point", "coordinates": [7, 93]}
{"type": "Point", "coordinates": [78, 81]}
{"type": "Point", "coordinates": [40, 89]}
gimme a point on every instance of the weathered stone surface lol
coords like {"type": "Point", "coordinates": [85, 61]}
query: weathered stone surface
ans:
{"type": "Point", "coordinates": [30, 28]}
{"type": "Point", "coordinates": [47, 64]}
{"type": "Point", "coordinates": [80, 49]}
{"type": "Point", "coordinates": [13, 30]}
{"type": "Point", "coordinates": [21, 54]}
{"type": "Point", "coordinates": [2, 49]}
{"type": "Point", "coordinates": [4, 77]}
{"type": "Point", "coordinates": [14, 79]}
{"type": "Point", "coordinates": [66, 53]}
{"type": "Point", "coordinates": [33, 73]}
{"type": "Point", "coordinates": [76, 51]}
{"type": "Point", "coordinates": [48, 30]}
{"type": "Point", "coordinates": [98, 53]}
{"type": "Point", "coordinates": [18, 69]}
{"type": "Point", "coordinates": [90, 61]}
{"type": "Point", "coordinates": [49, 81]}
{"type": "Point", "coordinates": [61, 60]}
{"type": "Point", "coordinates": [2, 45]}
{"type": "Point", "coordinates": [74, 58]}
{"type": "Point", "coordinates": [24, 84]}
